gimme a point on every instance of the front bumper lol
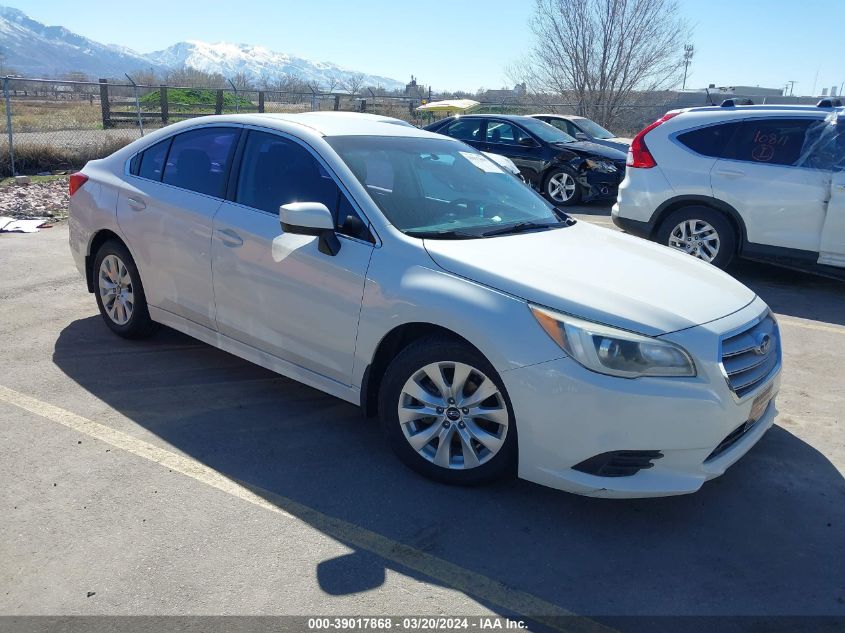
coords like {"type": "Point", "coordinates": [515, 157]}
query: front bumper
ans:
{"type": "Point", "coordinates": [644, 229]}
{"type": "Point", "coordinates": [567, 414]}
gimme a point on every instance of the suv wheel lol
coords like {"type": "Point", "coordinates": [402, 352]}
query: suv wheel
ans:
{"type": "Point", "coordinates": [701, 232]}
{"type": "Point", "coordinates": [446, 414]}
{"type": "Point", "coordinates": [561, 188]}
{"type": "Point", "coordinates": [119, 293]}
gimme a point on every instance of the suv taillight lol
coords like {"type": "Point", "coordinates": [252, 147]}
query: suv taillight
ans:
{"type": "Point", "coordinates": [76, 181]}
{"type": "Point", "coordinates": [638, 154]}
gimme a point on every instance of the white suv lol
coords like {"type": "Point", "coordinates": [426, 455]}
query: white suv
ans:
{"type": "Point", "coordinates": [760, 182]}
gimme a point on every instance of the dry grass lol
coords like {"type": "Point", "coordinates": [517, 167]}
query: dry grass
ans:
{"type": "Point", "coordinates": [32, 159]}
{"type": "Point", "coordinates": [49, 116]}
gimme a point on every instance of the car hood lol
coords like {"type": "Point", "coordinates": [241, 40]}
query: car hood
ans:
{"type": "Point", "coordinates": [588, 148]}
{"type": "Point", "coordinates": [598, 274]}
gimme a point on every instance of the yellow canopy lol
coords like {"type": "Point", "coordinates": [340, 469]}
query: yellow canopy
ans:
{"type": "Point", "coordinates": [450, 105]}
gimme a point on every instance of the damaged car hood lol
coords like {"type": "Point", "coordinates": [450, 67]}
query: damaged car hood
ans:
{"type": "Point", "coordinates": [598, 274]}
{"type": "Point", "coordinates": [587, 148]}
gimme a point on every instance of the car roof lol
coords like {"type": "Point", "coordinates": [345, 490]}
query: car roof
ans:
{"type": "Point", "coordinates": [504, 117]}
{"type": "Point", "coordinates": [328, 123]}
{"type": "Point", "coordinates": [569, 117]}
{"type": "Point", "coordinates": [761, 109]}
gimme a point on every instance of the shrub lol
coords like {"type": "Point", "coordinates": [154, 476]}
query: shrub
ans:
{"type": "Point", "coordinates": [192, 99]}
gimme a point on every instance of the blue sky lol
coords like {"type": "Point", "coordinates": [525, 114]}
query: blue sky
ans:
{"type": "Point", "coordinates": [464, 45]}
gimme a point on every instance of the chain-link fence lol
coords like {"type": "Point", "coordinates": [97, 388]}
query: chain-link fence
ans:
{"type": "Point", "coordinates": [54, 125]}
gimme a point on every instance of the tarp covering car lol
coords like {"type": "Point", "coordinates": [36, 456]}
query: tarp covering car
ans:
{"type": "Point", "coordinates": [449, 105]}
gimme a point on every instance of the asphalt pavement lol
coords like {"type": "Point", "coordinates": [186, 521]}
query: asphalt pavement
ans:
{"type": "Point", "coordinates": [165, 477]}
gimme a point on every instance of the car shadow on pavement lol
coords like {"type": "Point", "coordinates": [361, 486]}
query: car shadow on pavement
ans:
{"type": "Point", "coordinates": [766, 538]}
{"type": "Point", "coordinates": [821, 299]}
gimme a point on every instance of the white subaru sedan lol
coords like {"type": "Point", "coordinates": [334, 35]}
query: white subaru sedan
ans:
{"type": "Point", "coordinates": [407, 273]}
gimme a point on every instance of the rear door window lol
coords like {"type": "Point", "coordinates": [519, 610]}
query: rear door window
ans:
{"type": "Point", "coordinates": [566, 125]}
{"type": "Point", "coordinates": [465, 129]}
{"type": "Point", "coordinates": [199, 160]}
{"type": "Point", "coordinates": [770, 141]}
{"type": "Point", "coordinates": [713, 140]}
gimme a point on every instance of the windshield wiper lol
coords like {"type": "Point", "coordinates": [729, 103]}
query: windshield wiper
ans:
{"type": "Point", "coordinates": [520, 227]}
{"type": "Point", "coordinates": [443, 235]}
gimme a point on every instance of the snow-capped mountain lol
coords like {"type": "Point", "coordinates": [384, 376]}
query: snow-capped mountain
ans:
{"type": "Point", "coordinates": [33, 49]}
{"type": "Point", "coordinates": [258, 63]}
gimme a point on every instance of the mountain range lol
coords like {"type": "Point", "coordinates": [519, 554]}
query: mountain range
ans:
{"type": "Point", "coordinates": [33, 49]}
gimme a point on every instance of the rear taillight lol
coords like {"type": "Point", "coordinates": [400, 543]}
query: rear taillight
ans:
{"type": "Point", "coordinates": [638, 154]}
{"type": "Point", "coordinates": [76, 181]}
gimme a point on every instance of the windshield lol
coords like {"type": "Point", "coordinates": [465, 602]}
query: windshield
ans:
{"type": "Point", "coordinates": [428, 186]}
{"type": "Point", "coordinates": [594, 129]}
{"type": "Point", "coordinates": [549, 133]}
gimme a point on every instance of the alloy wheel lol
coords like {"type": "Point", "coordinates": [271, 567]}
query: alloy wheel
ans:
{"type": "Point", "coordinates": [116, 290]}
{"type": "Point", "coordinates": [561, 187]}
{"type": "Point", "coordinates": [697, 238]}
{"type": "Point", "coordinates": [453, 415]}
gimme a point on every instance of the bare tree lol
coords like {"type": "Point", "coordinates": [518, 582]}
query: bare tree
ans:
{"type": "Point", "coordinates": [332, 84]}
{"type": "Point", "coordinates": [354, 83]}
{"type": "Point", "coordinates": [603, 54]}
{"type": "Point", "coordinates": [243, 82]}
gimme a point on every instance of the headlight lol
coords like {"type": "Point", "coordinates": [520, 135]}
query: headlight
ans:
{"type": "Point", "coordinates": [603, 166]}
{"type": "Point", "coordinates": [614, 352]}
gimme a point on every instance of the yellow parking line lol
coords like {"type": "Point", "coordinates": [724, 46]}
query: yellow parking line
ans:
{"type": "Point", "coordinates": [443, 571]}
{"type": "Point", "coordinates": [836, 329]}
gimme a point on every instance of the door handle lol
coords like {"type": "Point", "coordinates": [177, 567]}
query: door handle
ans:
{"type": "Point", "coordinates": [730, 173]}
{"type": "Point", "coordinates": [229, 238]}
{"type": "Point", "coordinates": [136, 204]}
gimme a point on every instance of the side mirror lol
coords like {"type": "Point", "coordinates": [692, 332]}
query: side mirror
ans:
{"type": "Point", "coordinates": [311, 218]}
{"type": "Point", "coordinates": [526, 141]}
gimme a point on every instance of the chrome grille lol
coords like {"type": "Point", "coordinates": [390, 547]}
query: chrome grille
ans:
{"type": "Point", "coordinates": [746, 357]}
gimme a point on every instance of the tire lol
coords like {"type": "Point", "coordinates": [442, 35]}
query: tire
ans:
{"type": "Point", "coordinates": [471, 462]}
{"type": "Point", "coordinates": [565, 177]}
{"type": "Point", "coordinates": [125, 314]}
{"type": "Point", "coordinates": [681, 228]}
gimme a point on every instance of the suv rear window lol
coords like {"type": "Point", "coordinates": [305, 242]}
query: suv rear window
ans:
{"type": "Point", "coordinates": [770, 141]}
{"type": "Point", "coordinates": [712, 140]}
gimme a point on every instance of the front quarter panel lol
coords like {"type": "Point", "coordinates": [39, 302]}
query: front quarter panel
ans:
{"type": "Point", "coordinates": [405, 286]}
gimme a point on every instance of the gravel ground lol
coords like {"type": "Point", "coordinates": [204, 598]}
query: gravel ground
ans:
{"type": "Point", "coordinates": [45, 199]}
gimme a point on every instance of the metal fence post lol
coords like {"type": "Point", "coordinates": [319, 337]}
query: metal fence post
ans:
{"type": "Point", "coordinates": [218, 105]}
{"type": "Point", "coordinates": [104, 103]}
{"type": "Point", "coordinates": [235, 90]}
{"type": "Point", "coordinates": [137, 103]}
{"type": "Point", "coordinates": [261, 101]}
{"type": "Point", "coordinates": [336, 103]}
{"type": "Point", "coordinates": [165, 108]}
{"type": "Point", "coordinates": [9, 124]}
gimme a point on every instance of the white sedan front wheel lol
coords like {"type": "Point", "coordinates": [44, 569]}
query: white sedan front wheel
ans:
{"type": "Point", "coordinates": [446, 414]}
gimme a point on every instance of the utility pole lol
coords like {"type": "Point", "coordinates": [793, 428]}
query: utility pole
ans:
{"type": "Point", "coordinates": [791, 83]}
{"type": "Point", "coordinates": [689, 51]}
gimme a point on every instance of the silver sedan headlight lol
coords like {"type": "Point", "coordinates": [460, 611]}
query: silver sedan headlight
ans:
{"type": "Point", "coordinates": [611, 351]}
